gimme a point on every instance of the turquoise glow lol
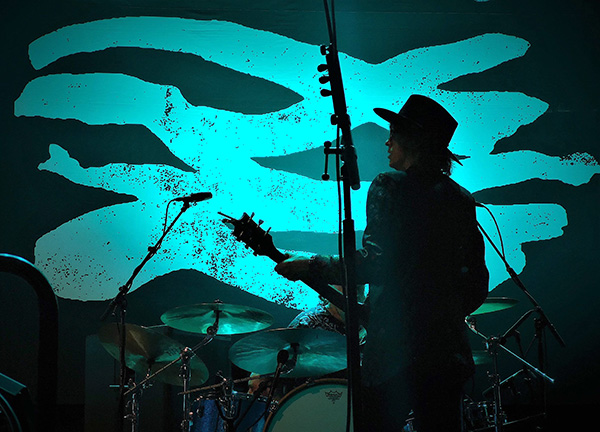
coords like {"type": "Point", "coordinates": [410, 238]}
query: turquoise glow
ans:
{"type": "Point", "coordinates": [83, 257]}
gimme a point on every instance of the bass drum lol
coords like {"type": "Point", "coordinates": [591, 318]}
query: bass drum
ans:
{"type": "Point", "coordinates": [320, 405]}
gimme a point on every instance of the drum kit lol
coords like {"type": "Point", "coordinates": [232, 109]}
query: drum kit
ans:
{"type": "Point", "coordinates": [269, 354]}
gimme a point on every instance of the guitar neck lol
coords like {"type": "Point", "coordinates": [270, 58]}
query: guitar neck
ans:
{"type": "Point", "coordinates": [323, 289]}
{"type": "Point", "coordinates": [261, 242]}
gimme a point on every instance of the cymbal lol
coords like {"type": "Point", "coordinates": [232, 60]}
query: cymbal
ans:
{"type": "Point", "coordinates": [147, 351]}
{"type": "Point", "coordinates": [482, 357]}
{"type": "Point", "coordinates": [233, 319]}
{"type": "Point", "coordinates": [318, 352]}
{"type": "Point", "coordinates": [494, 304]}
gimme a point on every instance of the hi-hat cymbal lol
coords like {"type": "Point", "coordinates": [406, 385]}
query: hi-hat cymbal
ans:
{"type": "Point", "coordinates": [317, 352]}
{"type": "Point", "coordinates": [494, 304]}
{"type": "Point", "coordinates": [233, 319]}
{"type": "Point", "coordinates": [147, 351]}
{"type": "Point", "coordinates": [482, 357]}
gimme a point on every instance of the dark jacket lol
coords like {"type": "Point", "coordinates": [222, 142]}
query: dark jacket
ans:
{"type": "Point", "coordinates": [423, 258]}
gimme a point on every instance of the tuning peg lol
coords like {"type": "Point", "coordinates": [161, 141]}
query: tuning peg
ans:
{"type": "Point", "coordinates": [322, 67]}
{"type": "Point", "coordinates": [260, 222]}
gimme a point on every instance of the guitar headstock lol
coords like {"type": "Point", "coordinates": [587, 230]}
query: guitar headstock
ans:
{"type": "Point", "coordinates": [249, 232]}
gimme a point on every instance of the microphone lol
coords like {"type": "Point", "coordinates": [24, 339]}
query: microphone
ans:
{"type": "Point", "coordinates": [195, 197]}
{"type": "Point", "coordinates": [282, 358]}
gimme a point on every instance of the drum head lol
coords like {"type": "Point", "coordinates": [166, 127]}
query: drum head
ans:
{"type": "Point", "coordinates": [318, 406]}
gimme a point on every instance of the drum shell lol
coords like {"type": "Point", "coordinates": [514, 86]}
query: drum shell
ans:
{"type": "Point", "coordinates": [320, 405]}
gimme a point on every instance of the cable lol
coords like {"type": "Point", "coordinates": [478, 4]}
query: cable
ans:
{"type": "Point", "coordinates": [13, 421]}
{"type": "Point", "coordinates": [497, 229]}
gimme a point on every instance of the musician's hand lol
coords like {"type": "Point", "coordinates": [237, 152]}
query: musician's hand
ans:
{"type": "Point", "coordinates": [295, 267]}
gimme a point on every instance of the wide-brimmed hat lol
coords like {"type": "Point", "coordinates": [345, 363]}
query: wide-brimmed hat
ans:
{"type": "Point", "coordinates": [425, 114]}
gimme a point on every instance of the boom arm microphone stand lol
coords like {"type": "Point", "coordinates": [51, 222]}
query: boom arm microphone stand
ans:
{"type": "Point", "coordinates": [119, 305]}
{"type": "Point", "coordinates": [351, 180]}
{"type": "Point", "coordinates": [541, 323]}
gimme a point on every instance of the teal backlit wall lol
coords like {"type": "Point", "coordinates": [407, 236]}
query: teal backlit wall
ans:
{"type": "Point", "coordinates": [111, 109]}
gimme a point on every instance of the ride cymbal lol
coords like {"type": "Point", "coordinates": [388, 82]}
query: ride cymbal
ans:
{"type": "Point", "coordinates": [233, 319]}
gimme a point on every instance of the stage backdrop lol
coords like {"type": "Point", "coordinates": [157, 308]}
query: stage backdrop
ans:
{"type": "Point", "coordinates": [112, 109]}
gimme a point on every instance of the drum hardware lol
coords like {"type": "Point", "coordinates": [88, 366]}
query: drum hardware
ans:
{"type": "Point", "coordinates": [507, 382]}
{"type": "Point", "coordinates": [217, 386]}
{"type": "Point", "coordinates": [230, 407]}
{"type": "Point", "coordinates": [155, 353]}
{"type": "Point", "coordinates": [212, 319]}
{"type": "Point", "coordinates": [119, 305]}
{"type": "Point", "coordinates": [494, 345]}
{"type": "Point", "coordinates": [541, 322]}
{"type": "Point", "coordinates": [150, 353]}
{"type": "Point", "coordinates": [238, 411]}
{"type": "Point", "coordinates": [225, 404]}
{"type": "Point", "coordinates": [134, 405]}
{"type": "Point", "coordinates": [186, 355]}
{"type": "Point", "coordinates": [147, 351]}
{"type": "Point", "coordinates": [282, 365]}
{"type": "Point", "coordinates": [478, 416]}
{"type": "Point", "coordinates": [231, 415]}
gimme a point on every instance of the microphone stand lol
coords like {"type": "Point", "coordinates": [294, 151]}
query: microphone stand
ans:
{"type": "Point", "coordinates": [282, 358]}
{"type": "Point", "coordinates": [350, 180]}
{"type": "Point", "coordinates": [543, 318]}
{"type": "Point", "coordinates": [119, 303]}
